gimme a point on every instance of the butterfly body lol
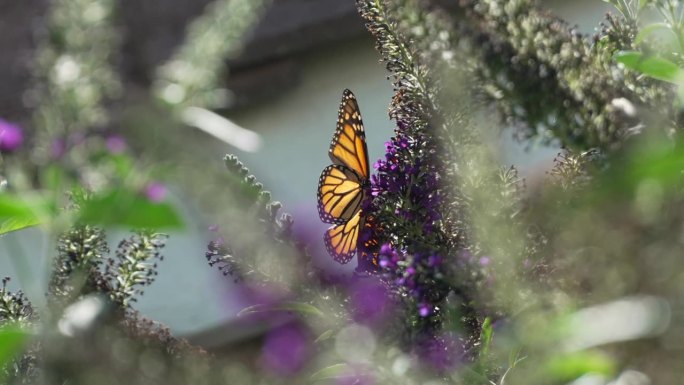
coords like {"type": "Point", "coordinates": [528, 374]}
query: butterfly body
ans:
{"type": "Point", "coordinates": [343, 188]}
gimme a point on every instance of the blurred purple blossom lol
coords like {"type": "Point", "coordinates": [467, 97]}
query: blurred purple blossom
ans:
{"type": "Point", "coordinates": [286, 349]}
{"type": "Point", "coordinates": [424, 310]}
{"type": "Point", "coordinates": [370, 301]}
{"type": "Point", "coordinates": [58, 148]}
{"type": "Point", "coordinates": [442, 352]}
{"type": "Point", "coordinates": [214, 228]}
{"type": "Point", "coordinates": [11, 136]}
{"type": "Point", "coordinates": [116, 144]}
{"type": "Point", "coordinates": [484, 261]}
{"type": "Point", "coordinates": [155, 192]}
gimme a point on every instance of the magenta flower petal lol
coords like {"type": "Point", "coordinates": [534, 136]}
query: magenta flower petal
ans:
{"type": "Point", "coordinates": [155, 192]}
{"type": "Point", "coordinates": [11, 136]}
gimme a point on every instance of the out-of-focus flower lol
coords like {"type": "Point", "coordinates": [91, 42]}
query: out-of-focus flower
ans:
{"type": "Point", "coordinates": [370, 301]}
{"type": "Point", "coordinates": [116, 144]}
{"type": "Point", "coordinates": [442, 352]}
{"type": "Point", "coordinates": [286, 350]}
{"type": "Point", "coordinates": [155, 192]}
{"type": "Point", "coordinates": [11, 136]}
{"type": "Point", "coordinates": [58, 148]}
{"type": "Point", "coordinates": [213, 228]}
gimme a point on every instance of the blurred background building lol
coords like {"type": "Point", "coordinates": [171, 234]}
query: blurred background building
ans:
{"type": "Point", "coordinates": [285, 86]}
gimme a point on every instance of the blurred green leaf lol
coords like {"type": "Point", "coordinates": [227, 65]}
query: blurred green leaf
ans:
{"type": "Point", "coordinates": [129, 209]}
{"type": "Point", "coordinates": [652, 29]}
{"type": "Point", "coordinates": [324, 336]}
{"type": "Point", "coordinates": [17, 213]}
{"type": "Point", "coordinates": [12, 341]}
{"type": "Point", "coordinates": [14, 224]}
{"type": "Point", "coordinates": [570, 366]}
{"type": "Point", "coordinates": [330, 372]}
{"type": "Point", "coordinates": [297, 307]}
{"type": "Point", "coordinates": [653, 66]}
{"type": "Point", "coordinates": [486, 336]}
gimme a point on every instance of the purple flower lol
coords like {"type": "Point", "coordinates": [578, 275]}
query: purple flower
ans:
{"type": "Point", "coordinates": [11, 136]}
{"type": "Point", "coordinates": [484, 261]}
{"type": "Point", "coordinates": [213, 228]}
{"type": "Point", "coordinates": [155, 192]}
{"type": "Point", "coordinates": [116, 144]}
{"type": "Point", "coordinates": [286, 350]}
{"type": "Point", "coordinates": [369, 301]}
{"type": "Point", "coordinates": [442, 352]}
{"type": "Point", "coordinates": [424, 310]}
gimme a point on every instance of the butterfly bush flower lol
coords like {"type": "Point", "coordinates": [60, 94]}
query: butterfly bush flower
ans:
{"type": "Point", "coordinates": [407, 192]}
{"type": "Point", "coordinates": [11, 136]}
{"type": "Point", "coordinates": [286, 350]}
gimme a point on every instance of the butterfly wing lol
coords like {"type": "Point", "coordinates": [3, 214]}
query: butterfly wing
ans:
{"type": "Point", "coordinates": [348, 146]}
{"type": "Point", "coordinates": [341, 240]}
{"type": "Point", "coordinates": [340, 194]}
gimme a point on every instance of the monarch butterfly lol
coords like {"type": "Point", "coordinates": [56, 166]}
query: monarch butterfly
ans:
{"type": "Point", "coordinates": [343, 186]}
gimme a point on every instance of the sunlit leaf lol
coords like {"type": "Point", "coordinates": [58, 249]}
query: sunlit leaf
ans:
{"type": "Point", "coordinates": [296, 307]}
{"type": "Point", "coordinates": [17, 213]}
{"type": "Point", "coordinates": [14, 224]}
{"type": "Point", "coordinates": [129, 209]}
{"type": "Point", "coordinates": [653, 66]}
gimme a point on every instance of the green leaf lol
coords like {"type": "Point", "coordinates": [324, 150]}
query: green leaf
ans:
{"type": "Point", "coordinates": [14, 224]}
{"type": "Point", "coordinates": [17, 213]}
{"type": "Point", "coordinates": [128, 209]}
{"type": "Point", "coordinates": [324, 336]}
{"type": "Point", "coordinates": [330, 372]}
{"type": "Point", "coordinates": [574, 365]}
{"type": "Point", "coordinates": [297, 307]}
{"type": "Point", "coordinates": [486, 336]}
{"type": "Point", "coordinates": [12, 341]}
{"type": "Point", "coordinates": [653, 66]}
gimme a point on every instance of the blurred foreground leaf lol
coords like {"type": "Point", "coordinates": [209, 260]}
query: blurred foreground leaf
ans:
{"type": "Point", "coordinates": [129, 209]}
{"type": "Point", "coordinates": [574, 365]}
{"type": "Point", "coordinates": [297, 307]}
{"type": "Point", "coordinates": [12, 340]}
{"type": "Point", "coordinates": [17, 213]}
{"type": "Point", "coordinates": [330, 372]}
{"type": "Point", "coordinates": [653, 66]}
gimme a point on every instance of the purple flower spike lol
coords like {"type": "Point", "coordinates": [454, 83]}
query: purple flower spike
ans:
{"type": "Point", "coordinates": [11, 136]}
{"type": "Point", "coordinates": [484, 261]}
{"type": "Point", "coordinates": [286, 350]}
{"type": "Point", "coordinates": [155, 192]}
{"type": "Point", "coordinates": [116, 144]}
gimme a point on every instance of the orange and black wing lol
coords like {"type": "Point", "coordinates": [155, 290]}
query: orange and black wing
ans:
{"type": "Point", "coordinates": [348, 146]}
{"type": "Point", "coordinates": [341, 240]}
{"type": "Point", "coordinates": [340, 194]}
